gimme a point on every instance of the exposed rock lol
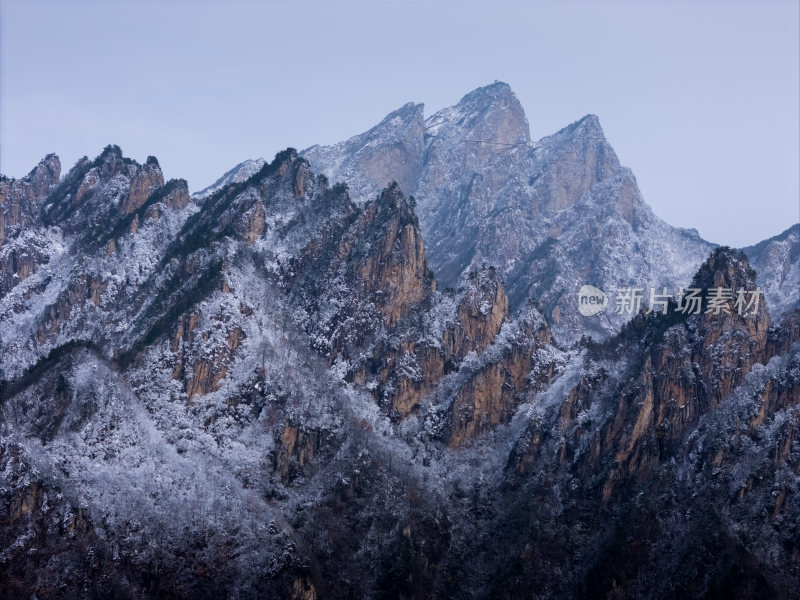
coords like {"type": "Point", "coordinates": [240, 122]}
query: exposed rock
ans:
{"type": "Point", "coordinates": [142, 185]}
{"type": "Point", "coordinates": [379, 259]}
{"type": "Point", "coordinates": [687, 369]}
{"type": "Point", "coordinates": [261, 393]}
{"type": "Point", "coordinates": [256, 224]}
{"type": "Point", "coordinates": [395, 273]}
{"type": "Point", "coordinates": [301, 179]}
{"type": "Point", "coordinates": [19, 260]}
{"type": "Point", "coordinates": [178, 196]}
{"type": "Point", "coordinates": [90, 180]}
{"type": "Point", "coordinates": [20, 199]}
{"type": "Point", "coordinates": [86, 288]}
{"type": "Point", "coordinates": [491, 395]}
{"type": "Point", "coordinates": [550, 216]}
{"type": "Point", "coordinates": [23, 248]}
{"type": "Point", "coordinates": [390, 151]}
{"type": "Point", "coordinates": [199, 363]}
{"type": "Point", "coordinates": [777, 265]}
{"type": "Point", "coordinates": [297, 448]}
{"type": "Point", "coordinates": [238, 174]}
{"type": "Point", "coordinates": [481, 313]}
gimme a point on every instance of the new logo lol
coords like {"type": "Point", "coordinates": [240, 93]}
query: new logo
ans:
{"type": "Point", "coordinates": [591, 300]}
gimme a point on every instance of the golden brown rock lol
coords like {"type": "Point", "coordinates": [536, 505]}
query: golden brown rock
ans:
{"type": "Point", "coordinates": [256, 223]}
{"type": "Point", "coordinates": [480, 316]}
{"type": "Point", "coordinates": [297, 447]}
{"type": "Point", "coordinates": [144, 183]}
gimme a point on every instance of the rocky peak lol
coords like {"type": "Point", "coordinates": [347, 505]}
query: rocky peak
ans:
{"type": "Point", "coordinates": [723, 336]}
{"type": "Point", "coordinates": [729, 269]}
{"type": "Point", "coordinates": [401, 123]}
{"type": "Point", "coordinates": [584, 137]}
{"type": "Point", "coordinates": [733, 339]}
{"type": "Point", "coordinates": [587, 127]}
{"type": "Point", "coordinates": [489, 114]}
{"type": "Point", "coordinates": [44, 175]}
{"type": "Point", "coordinates": [95, 195]}
{"type": "Point", "coordinates": [681, 368]}
{"type": "Point", "coordinates": [145, 181]}
{"type": "Point", "coordinates": [578, 157]}
{"type": "Point", "coordinates": [21, 250]}
{"type": "Point", "coordinates": [111, 161]}
{"type": "Point", "coordinates": [390, 255]}
{"type": "Point", "coordinates": [725, 267]}
{"type": "Point", "coordinates": [20, 199]}
{"type": "Point", "coordinates": [486, 193]}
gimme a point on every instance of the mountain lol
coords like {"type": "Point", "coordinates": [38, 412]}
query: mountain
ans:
{"type": "Point", "coordinates": [550, 215]}
{"type": "Point", "coordinates": [229, 345]}
{"type": "Point", "coordinates": [777, 262]}
{"type": "Point", "coordinates": [262, 390]}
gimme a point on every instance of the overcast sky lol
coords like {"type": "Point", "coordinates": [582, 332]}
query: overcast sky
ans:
{"type": "Point", "coordinates": [700, 99]}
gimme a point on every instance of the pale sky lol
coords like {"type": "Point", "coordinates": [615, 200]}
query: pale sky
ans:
{"type": "Point", "coordinates": [700, 99]}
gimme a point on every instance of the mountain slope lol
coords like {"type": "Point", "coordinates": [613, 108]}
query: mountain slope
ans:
{"type": "Point", "coordinates": [777, 262]}
{"type": "Point", "coordinates": [260, 391]}
{"type": "Point", "coordinates": [238, 174]}
{"type": "Point", "coordinates": [170, 334]}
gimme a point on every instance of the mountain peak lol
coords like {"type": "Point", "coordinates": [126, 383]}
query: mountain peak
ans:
{"type": "Point", "coordinates": [491, 113]}
{"type": "Point", "coordinates": [777, 264]}
{"type": "Point", "coordinates": [725, 267]}
{"type": "Point", "coordinates": [408, 111]}
{"type": "Point", "coordinates": [586, 128]}
{"type": "Point", "coordinates": [590, 124]}
{"type": "Point", "coordinates": [110, 153]}
{"type": "Point", "coordinates": [44, 175]}
{"type": "Point", "coordinates": [398, 121]}
{"type": "Point", "coordinates": [492, 91]}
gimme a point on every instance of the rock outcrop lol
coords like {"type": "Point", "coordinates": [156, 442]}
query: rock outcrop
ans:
{"type": "Point", "coordinates": [23, 245]}
{"type": "Point", "coordinates": [20, 200]}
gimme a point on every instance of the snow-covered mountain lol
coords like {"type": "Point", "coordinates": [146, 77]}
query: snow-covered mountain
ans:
{"type": "Point", "coordinates": [261, 391]}
{"type": "Point", "coordinates": [550, 215]}
{"type": "Point", "coordinates": [777, 263]}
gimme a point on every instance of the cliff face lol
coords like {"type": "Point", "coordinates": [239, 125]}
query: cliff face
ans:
{"type": "Point", "coordinates": [384, 253]}
{"type": "Point", "coordinates": [479, 317]}
{"type": "Point", "coordinates": [261, 390]}
{"type": "Point", "coordinates": [370, 304]}
{"type": "Point", "coordinates": [687, 374]}
{"type": "Point", "coordinates": [21, 199]}
{"type": "Point", "coordinates": [22, 250]}
{"type": "Point", "coordinates": [676, 368]}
